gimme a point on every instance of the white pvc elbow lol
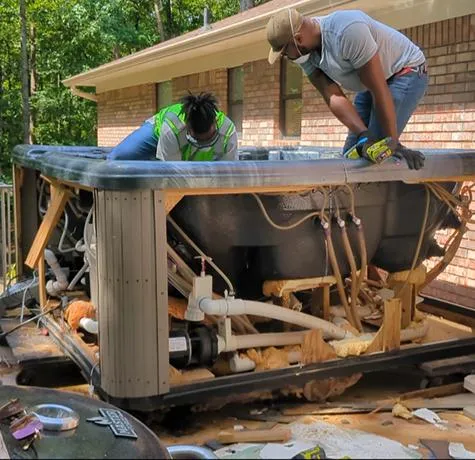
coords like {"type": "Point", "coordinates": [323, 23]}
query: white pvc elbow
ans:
{"type": "Point", "coordinates": [61, 283]}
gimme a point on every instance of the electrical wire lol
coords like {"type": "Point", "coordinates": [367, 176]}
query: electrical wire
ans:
{"type": "Point", "coordinates": [63, 236]}
{"type": "Point", "coordinates": [201, 253]}
{"type": "Point", "coordinates": [23, 306]}
{"type": "Point", "coordinates": [282, 227]}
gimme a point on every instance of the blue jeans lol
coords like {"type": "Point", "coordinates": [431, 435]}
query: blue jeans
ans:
{"type": "Point", "coordinates": [139, 145]}
{"type": "Point", "coordinates": [407, 91]}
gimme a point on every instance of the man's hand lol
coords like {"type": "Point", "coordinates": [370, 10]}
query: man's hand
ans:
{"type": "Point", "coordinates": [414, 158]}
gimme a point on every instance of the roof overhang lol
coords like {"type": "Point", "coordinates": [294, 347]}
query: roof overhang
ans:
{"type": "Point", "coordinates": [245, 41]}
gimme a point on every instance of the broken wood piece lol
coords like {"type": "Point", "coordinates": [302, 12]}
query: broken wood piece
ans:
{"type": "Point", "coordinates": [374, 275]}
{"type": "Point", "coordinates": [389, 335]}
{"type": "Point", "coordinates": [274, 435]}
{"type": "Point", "coordinates": [416, 277]}
{"type": "Point", "coordinates": [453, 402]}
{"type": "Point", "coordinates": [315, 349]}
{"type": "Point", "coordinates": [426, 393]}
{"type": "Point", "coordinates": [49, 223]}
{"type": "Point", "coordinates": [434, 392]}
{"type": "Point", "coordinates": [278, 287]}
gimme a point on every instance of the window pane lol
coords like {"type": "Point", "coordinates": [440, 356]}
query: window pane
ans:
{"type": "Point", "coordinates": [293, 117]}
{"type": "Point", "coordinates": [235, 114]}
{"type": "Point", "coordinates": [293, 78]}
{"type": "Point", "coordinates": [236, 84]}
{"type": "Point", "coordinates": [164, 94]}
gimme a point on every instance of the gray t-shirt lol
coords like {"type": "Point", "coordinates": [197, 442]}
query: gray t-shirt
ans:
{"type": "Point", "coordinates": [350, 39]}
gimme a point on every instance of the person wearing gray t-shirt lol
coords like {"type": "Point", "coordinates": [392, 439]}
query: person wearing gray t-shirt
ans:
{"type": "Point", "coordinates": [348, 49]}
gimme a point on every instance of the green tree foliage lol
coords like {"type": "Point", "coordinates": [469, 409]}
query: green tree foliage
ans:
{"type": "Point", "coordinates": [67, 37]}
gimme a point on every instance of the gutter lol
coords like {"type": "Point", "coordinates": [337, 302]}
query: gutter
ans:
{"type": "Point", "coordinates": [83, 94]}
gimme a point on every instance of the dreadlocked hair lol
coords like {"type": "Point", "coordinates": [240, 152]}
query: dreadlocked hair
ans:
{"type": "Point", "coordinates": [200, 111]}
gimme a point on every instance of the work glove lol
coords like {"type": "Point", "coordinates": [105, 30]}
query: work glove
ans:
{"type": "Point", "coordinates": [414, 158]}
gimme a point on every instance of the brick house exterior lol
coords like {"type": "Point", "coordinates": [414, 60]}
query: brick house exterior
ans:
{"type": "Point", "coordinates": [445, 119]}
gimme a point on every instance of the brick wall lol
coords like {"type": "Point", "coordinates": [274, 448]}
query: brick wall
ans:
{"type": "Point", "coordinates": [121, 111]}
{"type": "Point", "coordinates": [261, 104]}
{"type": "Point", "coordinates": [215, 81]}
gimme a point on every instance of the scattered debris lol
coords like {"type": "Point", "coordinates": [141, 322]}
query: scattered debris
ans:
{"type": "Point", "coordinates": [457, 450]}
{"type": "Point", "coordinates": [387, 423]}
{"type": "Point", "coordinates": [413, 447]}
{"type": "Point", "coordinates": [238, 451]}
{"type": "Point", "coordinates": [339, 442]}
{"type": "Point", "coordinates": [292, 450]}
{"type": "Point", "coordinates": [430, 417]}
{"type": "Point", "coordinates": [401, 411]}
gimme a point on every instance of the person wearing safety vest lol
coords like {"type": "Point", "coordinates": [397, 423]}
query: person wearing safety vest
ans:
{"type": "Point", "coordinates": [192, 130]}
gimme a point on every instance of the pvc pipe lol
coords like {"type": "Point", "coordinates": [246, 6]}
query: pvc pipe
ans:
{"type": "Point", "coordinates": [275, 339]}
{"type": "Point", "coordinates": [190, 452]}
{"type": "Point", "coordinates": [294, 357]}
{"type": "Point", "coordinates": [61, 283]}
{"type": "Point", "coordinates": [238, 364]}
{"type": "Point", "coordinates": [89, 325]}
{"type": "Point", "coordinates": [231, 306]}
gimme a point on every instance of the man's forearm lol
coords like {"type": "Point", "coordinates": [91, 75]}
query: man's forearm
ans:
{"type": "Point", "coordinates": [345, 112]}
{"type": "Point", "coordinates": [337, 102]}
{"type": "Point", "coordinates": [384, 105]}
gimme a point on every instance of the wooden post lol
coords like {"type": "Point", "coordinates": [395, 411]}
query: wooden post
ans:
{"type": "Point", "coordinates": [389, 335]}
{"type": "Point", "coordinates": [161, 279]}
{"type": "Point", "coordinates": [404, 292]}
{"type": "Point", "coordinates": [50, 220]}
{"type": "Point", "coordinates": [132, 293]}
